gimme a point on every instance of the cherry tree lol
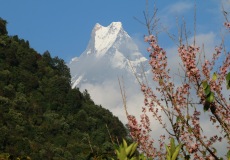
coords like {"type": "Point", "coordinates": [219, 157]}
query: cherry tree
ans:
{"type": "Point", "coordinates": [179, 107]}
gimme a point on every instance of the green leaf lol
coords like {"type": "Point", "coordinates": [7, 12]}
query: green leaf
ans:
{"type": "Point", "coordinates": [125, 144]}
{"type": "Point", "coordinates": [129, 149]}
{"type": "Point", "coordinates": [214, 77]}
{"type": "Point", "coordinates": [134, 149]}
{"type": "Point", "coordinates": [228, 155]}
{"type": "Point", "coordinates": [178, 119]}
{"type": "Point", "coordinates": [142, 157]}
{"type": "Point", "coordinates": [228, 80]}
{"type": "Point", "coordinates": [206, 106]}
{"type": "Point", "coordinates": [122, 154]}
{"type": "Point", "coordinates": [204, 84]}
{"type": "Point", "coordinates": [228, 85]}
{"type": "Point", "coordinates": [175, 154]}
{"type": "Point", "coordinates": [168, 157]}
{"type": "Point", "coordinates": [117, 152]}
{"type": "Point", "coordinates": [210, 97]}
{"type": "Point", "coordinates": [228, 77]}
{"type": "Point", "coordinates": [189, 130]}
{"type": "Point", "coordinates": [207, 90]}
{"type": "Point", "coordinates": [172, 145]}
{"type": "Point", "coordinates": [168, 151]}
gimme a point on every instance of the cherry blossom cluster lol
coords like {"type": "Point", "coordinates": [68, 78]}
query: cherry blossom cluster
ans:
{"type": "Point", "coordinates": [140, 133]}
{"type": "Point", "coordinates": [206, 69]}
{"type": "Point", "coordinates": [224, 68]}
{"type": "Point", "coordinates": [190, 135]}
{"type": "Point", "coordinates": [218, 50]}
{"type": "Point", "coordinates": [158, 59]}
{"type": "Point", "coordinates": [196, 123]}
{"type": "Point", "coordinates": [133, 126]}
{"type": "Point", "coordinates": [151, 101]}
{"type": "Point", "coordinates": [188, 57]}
{"type": "Point", "coordinates": [180, 96]}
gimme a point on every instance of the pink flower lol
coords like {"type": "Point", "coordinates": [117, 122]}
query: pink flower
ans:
{"type": "Point", "coordinates": [227, 25]}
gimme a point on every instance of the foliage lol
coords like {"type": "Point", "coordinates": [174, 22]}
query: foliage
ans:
{"type": "Point", "coordinates": [129, 152]}
{"type": "Point", "coordinates": [7, 156]}
{"type": "Point", "coordinates": [3, 29]}
{"type": "Point", "coordinates": [172, 150]}
{"type": "Point", "coordinates": [40, 115]}
{"type": "Point", "coordinates": [126, 152]}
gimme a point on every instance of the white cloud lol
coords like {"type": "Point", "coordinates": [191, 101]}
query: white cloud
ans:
{"type": "Point", "coordinates": [173, 13]}
{"type": "Point", "coordinates": [139, 41]}
{"type": "Point", "coordinates": [108, 95]}
{"type": "Point", "coordinates": [180, 7]}
{"type": "Point", "coordinates": [226, 4]}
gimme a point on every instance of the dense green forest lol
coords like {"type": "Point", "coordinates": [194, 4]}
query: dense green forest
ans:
{"type": "Point", "coordinates": [40, 115]}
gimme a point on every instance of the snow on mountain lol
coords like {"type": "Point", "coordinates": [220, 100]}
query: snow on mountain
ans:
{"type": "Point", "coordinates": [111, 53]}
{"type": "Point", "coordinates": [105, 36]}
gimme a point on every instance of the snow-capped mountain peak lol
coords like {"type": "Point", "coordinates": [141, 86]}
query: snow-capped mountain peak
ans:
{"type": "Point", "coordinates": [105, 36]}
{"type": "Point", "coordinates": [111, 52]}
{"type": "Point", "coordinates": [102, 38]}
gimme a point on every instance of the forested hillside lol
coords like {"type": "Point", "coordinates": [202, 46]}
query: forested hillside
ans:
{"type": "Point", "coordinates": [40, 115]}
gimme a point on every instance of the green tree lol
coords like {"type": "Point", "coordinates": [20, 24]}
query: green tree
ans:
{"type": "Point", "coordinates": [3, 29]}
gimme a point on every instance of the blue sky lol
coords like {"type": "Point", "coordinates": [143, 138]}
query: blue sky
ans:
{"type": "Point", "coordinates": [64, 27]}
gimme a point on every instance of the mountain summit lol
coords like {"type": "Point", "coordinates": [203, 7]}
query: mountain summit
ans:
{"type": "Point", "coordinates": [111, 53]}
{"type": "Point", "coordinates": [104, 37]}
